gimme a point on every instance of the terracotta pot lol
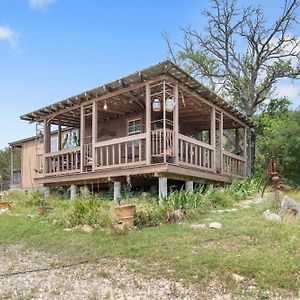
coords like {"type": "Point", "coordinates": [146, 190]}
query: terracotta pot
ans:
{"type": "Point", "coordinates": [44, 210]}
{"type": "Point", "coordinates": [4, 205]}
{"type": "Point", "coordinates": [126, 213]}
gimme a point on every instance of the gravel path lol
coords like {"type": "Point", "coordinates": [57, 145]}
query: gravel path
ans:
{"type": "Point", "coordinates": [87, 281]}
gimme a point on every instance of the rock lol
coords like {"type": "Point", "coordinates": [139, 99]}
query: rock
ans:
{"type": "Point", "coordinates": [87, 228]}
{"type": "Point", "coordinates": [289, 206]}
{"type": "Point", "coordinates": [198, 226]}
{"type": "Point", "coordinates": [29, 216]}
{"type": "Point", "coordinates": [177, 215]}
{"type": "Point", "coordinates": [238, 278]}
{"type": "Point", "coordinates": [215, 225]}
{"type": "Point", "coordinates": [271, 216]}
{"type": "Point", "coordinates": [121, 228]}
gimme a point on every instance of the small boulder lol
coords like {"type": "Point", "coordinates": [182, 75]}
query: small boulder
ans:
{"type": "Point", "coordinates": [238, 278]}
{"type": "Point", "coordinates": [3, 211]}
{"type": "Point", "coordinates": [87, 228]}
{"type": "Point", "coordinates": [289, 206]}
{"type": "Point", "coordinates": [121, 228]}
{"type": "Point", "coordinates": [271, 216]}
{"type": "Point", "coordinates": [215, 225]}
{"type": "Point", "coordinates": [177, 215]}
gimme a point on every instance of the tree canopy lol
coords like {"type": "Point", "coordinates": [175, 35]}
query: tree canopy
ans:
{"type": "Point", "coordinates": [239, 53]}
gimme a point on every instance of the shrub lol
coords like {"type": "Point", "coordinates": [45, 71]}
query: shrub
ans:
{"type": "Point", "coordinates": [152, 215]}
{"type": "Point", "coordinates": [89, 211]}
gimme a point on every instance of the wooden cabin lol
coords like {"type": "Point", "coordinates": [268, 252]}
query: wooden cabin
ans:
{"type": "Point", "coordinates": [152, 126]}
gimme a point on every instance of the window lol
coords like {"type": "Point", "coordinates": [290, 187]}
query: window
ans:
{"type": "Point", "coordinates": [54, 143]}
{"type": "Point", "coordinates": [134, 126]}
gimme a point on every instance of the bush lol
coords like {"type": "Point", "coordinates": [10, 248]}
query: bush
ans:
{"type": "Point", "coordinates": [92, 211]}
{"type": "Point", "coordinates": [203, 198]}
{"type": "Point", "coordinates": [152, 215]}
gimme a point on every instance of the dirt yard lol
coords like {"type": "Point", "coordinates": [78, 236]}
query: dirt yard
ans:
{"type": "Point", "coordinates": [104, 280]}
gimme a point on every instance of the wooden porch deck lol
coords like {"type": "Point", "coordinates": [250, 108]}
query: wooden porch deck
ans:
{"type": "Point", "coordinates": [191, 159]}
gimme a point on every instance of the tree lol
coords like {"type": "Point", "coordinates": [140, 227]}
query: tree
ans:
{"type": "Point", "coordinates": [239, 54]}
{"type": "Point", "coordinates": [279, 128]}
{"type": "Point", "coordinates": [5, 167]}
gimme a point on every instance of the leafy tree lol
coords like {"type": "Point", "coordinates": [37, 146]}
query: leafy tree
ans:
{"type": "Point", "coordinates": [279, 129]}
{"type": "Point", "coordinates": [5, 167]}
{"type": "Point", "coordinates": [239, 53]}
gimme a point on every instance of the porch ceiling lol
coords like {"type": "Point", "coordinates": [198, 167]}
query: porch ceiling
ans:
{"type": "Point", "coordinates": [164, 68]}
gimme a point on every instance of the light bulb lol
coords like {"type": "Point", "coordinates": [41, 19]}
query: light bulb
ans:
{"type": "Point", "coordinates": [105, 106]}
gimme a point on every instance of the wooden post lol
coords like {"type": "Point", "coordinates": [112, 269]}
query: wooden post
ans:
{"type": "Point", "coordinates": [164, 122]}
{"type": "Point", "coordinates": [94, 134]}
{"type": "Point", "coordinates": [12, 153]}
{"type": "Point", "coordinates": [221, 142]}
{"type": "Point", "coordinates": [237, 140]}
{"type": "Point", "coordinates": [176, 124]}
{"type": "Point", "coordinates": [47, 143]}
{"type": "Point", "coordinates": [82, 129]}
{"type": "Point", "coordinates": [245, 151]}
{"type": "Point", "coordinates": [213, 138]}
{"type": "Point", "coordinates": [59, 141]}
{"type": "Point", "coordinates": [162, 188]}
{"type": "Point", "coordinates": [148, 124]}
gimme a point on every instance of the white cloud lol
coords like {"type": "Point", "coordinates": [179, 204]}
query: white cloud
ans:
{"type": "Point", "coordinates": [40, 4]}
{"type": "Point", "coordinates": [10, 36]}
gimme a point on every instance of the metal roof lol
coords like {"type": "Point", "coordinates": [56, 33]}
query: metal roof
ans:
{"type": "Point", "coordinates": [163, 68]}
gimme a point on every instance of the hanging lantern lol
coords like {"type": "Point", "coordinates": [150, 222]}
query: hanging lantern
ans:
{"type": "Point", "coordinates": [156, 105]}
{"type": "Point", "coordinates": [170, 104]}
{"type": "Point", "coordinates": [105, 106]}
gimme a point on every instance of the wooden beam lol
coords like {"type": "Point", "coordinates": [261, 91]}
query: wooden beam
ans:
{"type": "Point", "coordinates": [148, 124]}
{"type": "Point", "coordinates": [94, 134]}
{"type": "Point", "coordinates": [176, 123]}
{"type": "Point", "coordinates": [109, 95]}
{"type": "Point", "coordinates": [59, 137]}
{"type": "Point", "coordinates": [213, 137]}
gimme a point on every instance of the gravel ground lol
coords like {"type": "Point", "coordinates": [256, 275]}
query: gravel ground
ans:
{"type": "Point", "coordinates": [103, 280]}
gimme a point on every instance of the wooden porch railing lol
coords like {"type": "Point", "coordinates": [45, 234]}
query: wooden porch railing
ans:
{"type": "Point", "coordinates": [157, 142]}
{"type": "Point", "coordinates": [233, 164]}
{"type": "Point", "coordinates": [122, 151]}
{"type": "Point", "coordinates": [195, 153]}
{"type": "Point", "coordinates": [130, 151]}
{"type": "Point", "coordinates": [63, 161]}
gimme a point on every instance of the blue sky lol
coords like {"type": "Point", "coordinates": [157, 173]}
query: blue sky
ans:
{"type": "Point", "coordinates": [52, 49]}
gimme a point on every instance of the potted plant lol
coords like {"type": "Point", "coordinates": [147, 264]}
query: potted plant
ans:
{"type": "Point", "coordinates": [42, 208]}
{"type": "Point", "coordinates": [125, 213]}
{"type": "Point", "coordinates": [4, 204]}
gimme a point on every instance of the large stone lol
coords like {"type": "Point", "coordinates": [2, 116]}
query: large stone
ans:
{"type": "Point", "coordinates": [87, 228]}
{"type": "Point", "coordinates": [215, 225]}
{"type": "Point", "coordinates": [271, 216]}
{"type": "Point", "coordinates": [289, 206]}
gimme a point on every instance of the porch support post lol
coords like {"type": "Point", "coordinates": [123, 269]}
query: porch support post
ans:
{"type": "Point", "coordinates": [164, 121]}
{"type": "Point", "coordinates": [12, 153]}
{"type": "Point", "coordinates": [162, 188]}
{"type": "Point", "coordinates": [189, 186]}
{"type": "Point", "coordinates": [73, 191]}
{"type": "Point", "coordinates": [237, 140]}
{"type": "Point", "coordinates": [46, 192]}
{"type": "Point", "coordinates": [148, 124]}
{"type": "Point", "coordinates": [175, 124]}
{"type": "Point", "coordinates": [117, 191]}
{"type": "Point", "coordinates": [47, 143]}
{"type": "Point", "coordinates": [213, 138]}
{"type": "Point", "coordinates": [82, 129]}
{"type": "Point", "coordinates": [221, 142]}
{"type": "Point", "coordinates": [245, 154]}
{"type": "Point", "coordinates": [59, 141]}
{"type": "Point", "coordinates": [94, 134]}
